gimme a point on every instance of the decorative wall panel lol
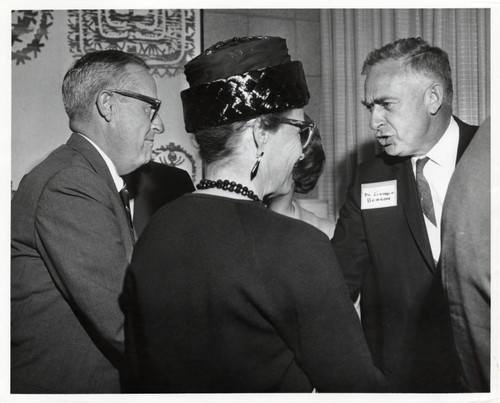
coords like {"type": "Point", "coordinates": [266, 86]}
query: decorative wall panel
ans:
{"type": "Point", "coordinates": [165, 38]}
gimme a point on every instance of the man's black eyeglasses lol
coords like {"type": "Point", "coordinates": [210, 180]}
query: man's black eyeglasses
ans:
{"type": "Point", "coordinates": [306, 129]}
{"type": "Point", "coordinates": [155, 103]}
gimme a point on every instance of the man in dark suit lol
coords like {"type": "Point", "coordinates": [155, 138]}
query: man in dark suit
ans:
{"type": "Point", "coordinates": [387, 237]}
{"type": "Point", "coordinates": [71, 233]}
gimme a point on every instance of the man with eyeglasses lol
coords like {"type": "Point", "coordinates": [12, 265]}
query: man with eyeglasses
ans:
{"type": "Point", "coordinates": [72, 238]}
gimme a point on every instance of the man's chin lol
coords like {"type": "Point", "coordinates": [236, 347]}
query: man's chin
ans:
{"type": "Point", "coordinates": [394, 152]}
{"type": "Point", "coordinates": [391, 150]}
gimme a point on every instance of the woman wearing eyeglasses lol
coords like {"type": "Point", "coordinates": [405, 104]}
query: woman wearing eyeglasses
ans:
{"type": "Point", "coordinates": [305, 175]}
{"type": "Point", "coordinates": [223, 294]}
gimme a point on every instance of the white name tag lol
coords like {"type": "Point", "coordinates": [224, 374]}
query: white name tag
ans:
{"type": "Point", "coordinates": [379, 194]}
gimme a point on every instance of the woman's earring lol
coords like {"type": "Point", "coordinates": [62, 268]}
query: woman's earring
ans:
{"type": "Point", "coordinates": [301, 157]}
{"type": "Point", "coordinates": [255, 168]}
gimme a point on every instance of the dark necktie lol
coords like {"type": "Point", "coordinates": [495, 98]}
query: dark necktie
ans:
{"type": "Point", "coordinates": [424, 191]}
{"type": "Point", "coordinates": [125, 196]}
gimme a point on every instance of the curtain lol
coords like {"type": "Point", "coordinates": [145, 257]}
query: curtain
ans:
{"type": "Point", "coordinates": [348, 35]}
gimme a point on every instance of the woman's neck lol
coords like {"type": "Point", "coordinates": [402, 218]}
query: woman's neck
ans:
{"type": "Point", "coordinates": [283, 204]}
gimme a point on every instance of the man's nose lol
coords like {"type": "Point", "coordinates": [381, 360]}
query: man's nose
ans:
{"type": "Point", "coordinates": [376, 118]}
{"type": "Point", "coordinates": [157, 124]}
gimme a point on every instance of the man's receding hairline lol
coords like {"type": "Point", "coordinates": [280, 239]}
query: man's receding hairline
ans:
{"type": "Point", "coordinates": [129, 74]}
{"type": "Point", "coordinates": [406, 67]}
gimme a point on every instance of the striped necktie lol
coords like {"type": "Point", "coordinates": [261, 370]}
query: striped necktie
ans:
{"type": "Point", "coordinates": [424, 191]}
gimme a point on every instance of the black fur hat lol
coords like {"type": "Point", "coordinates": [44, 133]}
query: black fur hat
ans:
{"type": "Point", "coordinates": [240, 79]}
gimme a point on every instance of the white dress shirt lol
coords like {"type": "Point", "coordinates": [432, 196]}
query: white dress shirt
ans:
{"type": "Point", "coordinates": [438, 172]}
{"type": "Point", "coordinates": [117, 179]}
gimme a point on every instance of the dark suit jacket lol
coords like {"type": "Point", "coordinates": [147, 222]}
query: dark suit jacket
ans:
{"type": "Point", "coordinates": [465, 261]}
{"type": "Point", "coordinates": [385, 254]}
{"type": "Point", "coordinates": [152, 186]}
{"type": "Point", "coordinates": [70, 247]}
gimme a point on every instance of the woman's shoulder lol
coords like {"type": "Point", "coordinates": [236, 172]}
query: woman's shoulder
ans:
{"type": "Point", "coordinates": [250, 217]}
{"type": "Point", "coordinates": [294, 231]}
{"type": "Point", "coordinates": [295, 246]}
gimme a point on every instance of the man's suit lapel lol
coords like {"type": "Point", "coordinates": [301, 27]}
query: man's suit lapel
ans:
{"type": "Point", "coordinates": [466, 133]}
{"type": "Point", "coordinates": [97, 163]}
{"type": "Point", "coordinates": [408, 195]}
{"type": "Point", "coordinates": [410, 199]}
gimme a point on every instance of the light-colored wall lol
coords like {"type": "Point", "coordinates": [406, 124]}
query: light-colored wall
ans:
{"type": "Point", "coordinates": [39, 123]}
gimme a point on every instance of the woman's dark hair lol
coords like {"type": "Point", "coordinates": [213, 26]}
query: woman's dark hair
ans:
{"type": "Point", "coordinates": [308, 170]}
{"type": "Point", "coordinates": [218, 143]}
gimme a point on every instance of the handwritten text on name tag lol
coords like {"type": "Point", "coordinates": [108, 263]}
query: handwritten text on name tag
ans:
{"type": "Point", "coordinates": [379, 195]}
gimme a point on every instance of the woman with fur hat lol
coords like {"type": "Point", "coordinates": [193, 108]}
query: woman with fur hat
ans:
{"type": "Point", "coordinates": [223, 294]}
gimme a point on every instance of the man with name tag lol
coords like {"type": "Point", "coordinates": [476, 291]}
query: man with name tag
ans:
{"type": "Point", "coordinates": [387, 238]}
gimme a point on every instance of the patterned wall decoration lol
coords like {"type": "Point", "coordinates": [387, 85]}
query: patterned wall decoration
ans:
{"type": "Point", "coordinates": [30, 28]}
{"type": "Point", "coordinates": [164, 38]}
{"type": "Point", "coordinates": [176, 156]}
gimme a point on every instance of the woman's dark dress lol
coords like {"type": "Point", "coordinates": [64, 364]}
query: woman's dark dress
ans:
{"type": "Point", "coordinates": [224, 295]}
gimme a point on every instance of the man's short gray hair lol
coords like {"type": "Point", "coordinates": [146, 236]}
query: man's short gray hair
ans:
{"type": "Point", "coordinates": [419, 57]}
{"type": "Point", "coordinates": [92, 73]}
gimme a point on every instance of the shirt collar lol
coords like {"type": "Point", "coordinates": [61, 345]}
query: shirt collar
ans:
{"type": "Point", "coordinates": [119, 183]}
{"type": "Point", "coordinates": [444, 152]}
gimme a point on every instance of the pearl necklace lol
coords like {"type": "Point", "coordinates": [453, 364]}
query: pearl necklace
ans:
{"type": "Point", "coordinates": [229, 187]}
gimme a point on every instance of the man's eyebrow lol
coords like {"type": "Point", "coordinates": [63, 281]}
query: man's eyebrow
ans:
{"type": "Point", "coordinates": [376, 101]}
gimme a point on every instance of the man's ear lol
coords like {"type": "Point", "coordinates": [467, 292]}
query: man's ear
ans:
{"type": "Point", "coordinates": [105, 105]}
{"type": "Point", "coordinates": [434, 98]}
{"type": "Point", "coordinates": [260, 136]}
